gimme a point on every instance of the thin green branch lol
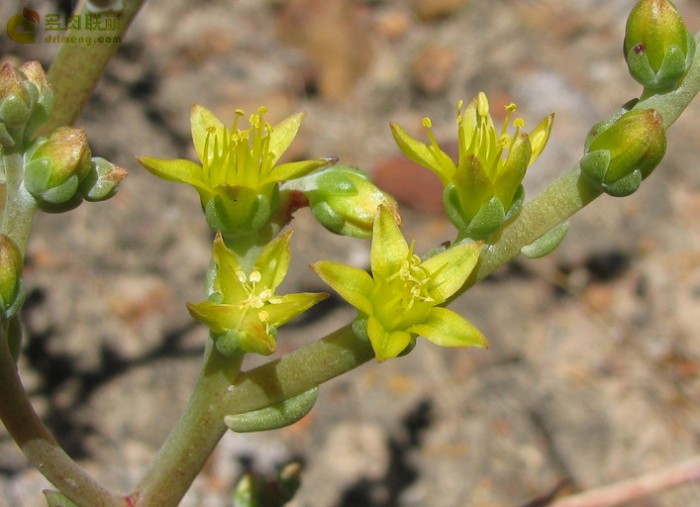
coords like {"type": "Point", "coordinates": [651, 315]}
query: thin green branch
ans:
{"type": "Point", "coordinates": [37, 443]}
{"type": "Point", "coordinates": [78, 67]}
{"type": "Point", "coordinates": [19, 206]}
{"type": "Point", "coordinates": [194, 437]}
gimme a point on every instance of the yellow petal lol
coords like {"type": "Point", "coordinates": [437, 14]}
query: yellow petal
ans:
{"type": "Point", "coordinates": [539, 137]}
{"type": "Point", "coordinates": [283, 134]}
{"type": "Point", "coordinates": [450, 269]}
{"type": "Point", "coordinates": [386, 344]}
{"type": "Point", "coordinates": [354, 285]}
{"type": "Point", "coordinates": [389, 248]}
{"type": "Point", "coordinates": [446, 328]}
{"type": "Point", "coordinates": [203, 122]}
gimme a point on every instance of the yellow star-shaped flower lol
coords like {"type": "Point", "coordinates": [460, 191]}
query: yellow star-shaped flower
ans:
{"type": "Point", "coordinates": [244, 311]}
{"type": "Point", "coordinates": [238, 178]}
{"type": "Point", "coordinates": [402, 297]}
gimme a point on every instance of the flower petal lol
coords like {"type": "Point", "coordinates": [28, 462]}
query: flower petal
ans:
{"type": "Point", "coordinates": [539, 137]}
{"type": "Point", "coordinates": [291, 306]}
{"type": "Point", "coordinates": [450, 269]}
{"type": "Point", "coordinates": [227, 269]}
{"type": "Point", "coordinates": [386, 344]}
{"type": "Point", "coordinates": [353, 284]}
{"type": "Point", "coordinates": [389, 248]}
{"type": "Point", "coordinates": [446, 328]}
{"type": "Point", "coordinates": [273, 261]}
{"type": "Point", "coordinates": [430, 157]}
{"type": "Point", "coordinates": [293, 170]}
{"type": "Point", "coordinates": [179, 171]}
{"type": "Point", "coordinates": [217, 317]}
{"type": "Point", "coordinates": [202, 122]}
{"type": "Point", "coordinates": [283, 134]}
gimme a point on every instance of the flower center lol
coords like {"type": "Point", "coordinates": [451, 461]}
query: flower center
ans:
{"type": "Point", "coordinates": [256, 298]}
{"type": "Point", "coordinates": [411, 280]}
{"type": "Point", "coordinates": [239, 156]}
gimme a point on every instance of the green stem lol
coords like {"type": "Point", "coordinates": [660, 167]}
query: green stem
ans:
{"type": "Point", "coordinates": [78, 67]}
{"type": "Point", "coordinates": [194, 437]}
{"type": "Point", "coordinates": [37, 443]}
{"type": "Point", "coordinates": [20, 207]}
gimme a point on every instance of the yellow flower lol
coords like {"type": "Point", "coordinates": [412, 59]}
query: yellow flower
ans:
{"type": "Point", "coordinates": [401, 298]}
{"type": "Point", "coordinates": [483, 189]}
{"type": "Point", "coordinates": [238, 178]}
{"type": "Point", "coordinates": [244, 311]}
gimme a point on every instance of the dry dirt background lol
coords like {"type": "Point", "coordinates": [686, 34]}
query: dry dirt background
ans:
{"type": "Point", "coordinates": [593, 374]}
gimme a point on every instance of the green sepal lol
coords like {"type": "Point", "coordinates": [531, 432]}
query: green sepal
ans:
{"type": "Point", "coordinates": [231, 343]}
{"type": "Point", "coordinates": [546, 243]}
{"type": "Point", "coordinates": [14, 306]}
{"type": "Point", "coordinates": [490, 217]}
{"type": "Point", "coordinates": [594, 165]}
{"type": "Point", "coordinates": [625, 186]}
{"type": "Point", "coordinates": [56, 499]}
{"type": "Point", "coordinates": [237, 210]}
{"type": "Point", "coordinates": [359, 327]}
{"type": "Point", "coordinates": [277, 415]}
{"type": "Point", "coordinates": [517, 204]}
{"type": "Point", "coordinates": [101, 180]}
{"type": "Point", "coordinates": [253, 490]}
{"type": "Point", "coordinates": [453, 207]}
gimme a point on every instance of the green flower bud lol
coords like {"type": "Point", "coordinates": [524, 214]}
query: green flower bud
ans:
{"type": "Point", "coordinates": [44, 103]}
{"type": "Point", "coordinates": [658, 47]}
{"type": "Point", "coordinates": [619, 155]}
{"type": "Point", "coordinates": [345, 201]}
{"type": "Point", "coordinates": [16, 99]}
{"type": "Point", "coordinates": [26, 100]}
{"type": "Point", "coordinates": [54, 167]}
{"type": "Point", "coordinates": [11, 293]}
{"type": "Point", "coordinates": [101, 181]}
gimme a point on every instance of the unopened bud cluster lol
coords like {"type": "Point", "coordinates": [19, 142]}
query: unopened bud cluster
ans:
{"type": "Point", "coordinates": [26, 101]}
{"type": "Point", "coordinates": [58, 171]}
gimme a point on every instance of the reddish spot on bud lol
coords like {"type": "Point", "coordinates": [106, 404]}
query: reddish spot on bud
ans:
{"type": "Point", "coordinates": [639, 49]}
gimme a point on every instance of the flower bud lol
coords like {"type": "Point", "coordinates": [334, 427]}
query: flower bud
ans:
{"type": "Point", "coordinates": [619, 155]}
{"type": "Point", "coordinates": [26, 100]}
{"type": "Point", "coordinates": [10, 276]}
{"type": "Point", "coordinates": [658, 47]}
{"type": "Point", "coordinates": [345, 201]}
{"type": "Point", "coordinates": [54, 167]}
{"type": "Point", "coordinates": [44, 103]}
{"type": "Point", "coordinates": [101, 181]}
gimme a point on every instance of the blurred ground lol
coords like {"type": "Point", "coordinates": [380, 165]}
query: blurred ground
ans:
{"type": "Point", "coordinates": [593, 372]}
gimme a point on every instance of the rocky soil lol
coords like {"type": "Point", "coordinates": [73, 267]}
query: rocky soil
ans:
{"type": "Point", "coordinates": [593, 374]}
